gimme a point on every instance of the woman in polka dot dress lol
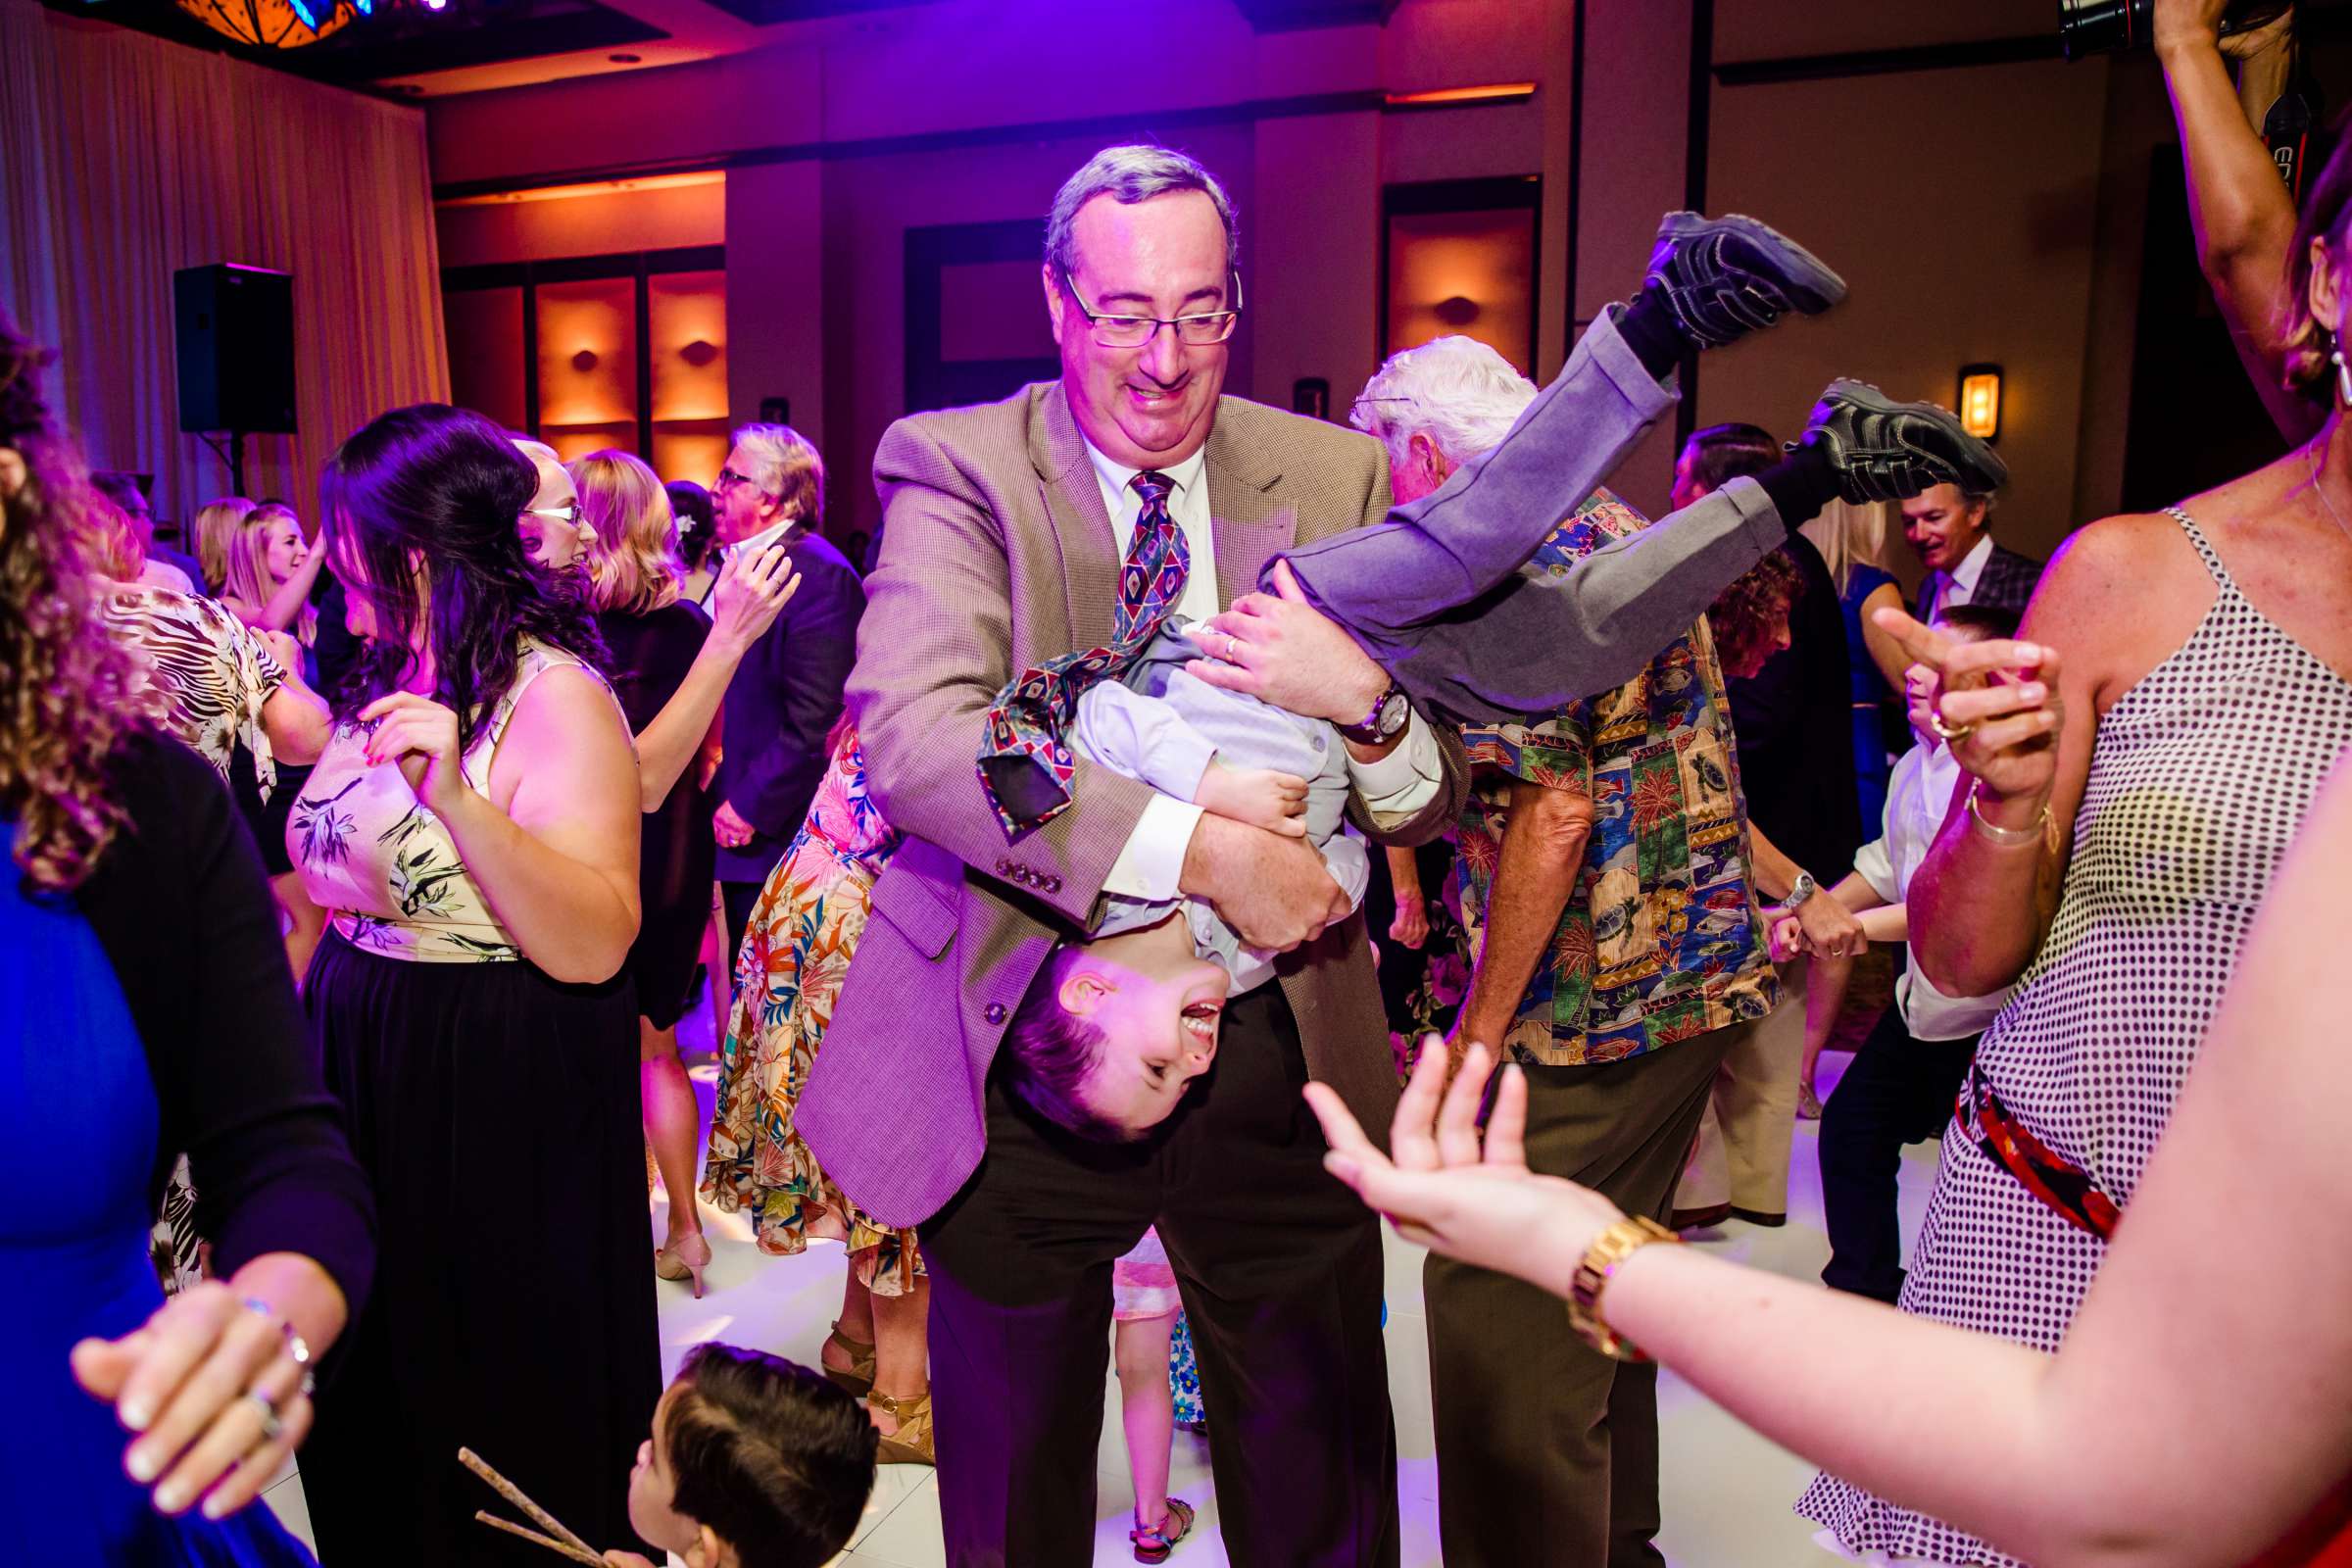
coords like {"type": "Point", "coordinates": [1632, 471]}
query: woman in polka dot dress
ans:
{"type": "Point", "coordinates": [2156, 773]}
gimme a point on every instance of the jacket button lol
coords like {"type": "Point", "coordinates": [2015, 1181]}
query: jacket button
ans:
{"type": "Point", "coordinates": [995, 1013]}
{"type": "Point", "coordinates": [1003, 866]}
{"type": "Point", "coordinates": [1052, 884]}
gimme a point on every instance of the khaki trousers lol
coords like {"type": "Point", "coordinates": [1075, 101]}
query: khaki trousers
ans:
{"type": "Point", "coordinates": [1548, 1450]}
{"type": "Point", "coordinates": [1741, 1156]}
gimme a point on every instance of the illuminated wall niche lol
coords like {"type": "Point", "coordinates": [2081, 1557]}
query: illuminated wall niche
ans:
{"type": "Point", "coordinates": [588, 352]}
{"type": "Point", "coordinates": [1459, 256]}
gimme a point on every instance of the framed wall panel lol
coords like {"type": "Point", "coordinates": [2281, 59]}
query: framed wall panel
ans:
{"type": "Point", "coordinates": [490, 375]}
{"type": "Point", "coordinates": [1460, 255]}
{"type": "Point", "coordinates": [976, 325]}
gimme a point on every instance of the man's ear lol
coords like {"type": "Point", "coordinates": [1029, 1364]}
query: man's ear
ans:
{"type": "Point", "coordinates": [1055, 305]}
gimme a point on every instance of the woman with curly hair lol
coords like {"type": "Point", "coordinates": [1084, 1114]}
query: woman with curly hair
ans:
{"type": "Point", "coordinates": [144, 1010]}
{"type": "Point", "coordinates": [471, 829]}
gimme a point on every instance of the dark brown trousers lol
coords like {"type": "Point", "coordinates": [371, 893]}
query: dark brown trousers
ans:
{"type": "Point", "coordinates": [1547, 1451]}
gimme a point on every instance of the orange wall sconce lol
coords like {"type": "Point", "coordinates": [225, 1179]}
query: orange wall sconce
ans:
{"type": "Point", "coordinates": [1981, 401]}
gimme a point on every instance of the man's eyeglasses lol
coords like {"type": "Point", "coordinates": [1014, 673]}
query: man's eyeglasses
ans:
{"type": "Point", "coordinates": [1135, 331]}
{"type": "Point", "coordinates": [569, 514]}
{"type": "Point", "coordinates": [728, 479]}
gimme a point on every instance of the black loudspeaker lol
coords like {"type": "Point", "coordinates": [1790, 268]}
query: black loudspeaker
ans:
{"type": "Point", "coordinates": [236, 348]}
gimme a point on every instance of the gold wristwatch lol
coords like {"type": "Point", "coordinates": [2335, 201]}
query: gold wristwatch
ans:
{"type": "Point", "coordinates": [1609, 1249]}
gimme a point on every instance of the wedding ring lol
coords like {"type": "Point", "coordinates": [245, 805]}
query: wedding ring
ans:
{"type": "Point", "coordinates": [1949, 732]}
{"type": "Point", "coordinates": [272, 1428]}
{"type": "Point", "coordinates": [1229, 645]}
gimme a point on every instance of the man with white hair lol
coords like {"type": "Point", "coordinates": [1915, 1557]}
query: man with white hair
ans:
{"type": "Point", "coordinates": [787, 692]}
{"type": "Point", "coordinates": [1609, 902]}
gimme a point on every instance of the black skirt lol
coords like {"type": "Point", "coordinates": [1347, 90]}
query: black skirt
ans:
{"type": "Point", "coordinates": [496, 1113]}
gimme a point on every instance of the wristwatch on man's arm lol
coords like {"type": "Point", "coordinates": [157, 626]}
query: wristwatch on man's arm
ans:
{"type": "Point", "coordinates": [1385, 722]}
{"type": "Point", "coordinates": [1803, 888]}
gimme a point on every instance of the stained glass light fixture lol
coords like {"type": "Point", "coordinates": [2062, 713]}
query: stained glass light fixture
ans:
{"type": "Point", "coordinates": [276, 24]}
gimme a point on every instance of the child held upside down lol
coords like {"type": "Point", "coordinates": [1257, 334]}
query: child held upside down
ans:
{"type": "Point", "coordinates": [1114, 1029]}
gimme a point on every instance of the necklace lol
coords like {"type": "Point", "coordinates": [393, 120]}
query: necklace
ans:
{"type": "Point", "coordinates": [2345, 528]}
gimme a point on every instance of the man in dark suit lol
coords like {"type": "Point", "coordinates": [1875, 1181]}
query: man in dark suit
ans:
{"type": "Point", "coordinates": [787, 692]}
{"type": "Point", "coordinates": [1948, 527]}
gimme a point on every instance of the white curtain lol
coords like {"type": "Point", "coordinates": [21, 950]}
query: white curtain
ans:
{"type": "Point", "coordinates": [124, 158]}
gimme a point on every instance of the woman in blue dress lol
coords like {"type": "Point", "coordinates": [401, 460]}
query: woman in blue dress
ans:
{"type": "Point", "coordinates": [1851, 540]}
{"type": "Point", "coordinates": [145, 1009]}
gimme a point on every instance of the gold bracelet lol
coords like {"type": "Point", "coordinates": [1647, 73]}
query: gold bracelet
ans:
{"type": "Point", "coordinates": [2008, 838]}
{"type": "Point", "coordinates": [1609, 1249]}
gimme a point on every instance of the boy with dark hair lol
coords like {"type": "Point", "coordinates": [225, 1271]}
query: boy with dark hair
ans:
{"type": "Point", "coordinates": [753, 1462]}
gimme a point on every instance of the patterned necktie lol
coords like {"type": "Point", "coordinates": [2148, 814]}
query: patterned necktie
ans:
{"type": "Point", "coordinates": [1025, 761]}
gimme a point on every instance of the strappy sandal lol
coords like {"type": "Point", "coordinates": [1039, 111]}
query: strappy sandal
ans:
{"type": "Point", "coordinates": [1154, 1543]}
{"type": "Point", "coordinates": [858, 1376]}
{"type": "Point", "coordinates": [912, 1442]}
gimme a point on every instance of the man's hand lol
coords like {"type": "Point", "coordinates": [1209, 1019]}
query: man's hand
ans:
{"type": "Point", "coordinates": [1279, 648]}
{"type": "Point", "coordinates": [1273, 891]}
{"type": "Point", "coordinates": [1410, 928]}
{"type": "Point", "coordinates": [731, 830]}
{"type": "Point", "coordinates": [1829, 929]}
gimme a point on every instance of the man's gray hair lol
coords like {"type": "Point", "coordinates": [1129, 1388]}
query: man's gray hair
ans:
{"type": "Point", "coordinates": [1131, 174]}
{"type": "Point", "coordinates": [1454, 390]}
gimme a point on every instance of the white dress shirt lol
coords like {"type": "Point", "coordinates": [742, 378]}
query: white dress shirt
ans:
{"type": "Point", "coordinates": [1958, 586]}
{"type": "Point", "coordinates": [1917, 799]}
{"type": "Point", "coordinates": [1151, 864]}
{"type": "Point", "coordinates": [775, 533]}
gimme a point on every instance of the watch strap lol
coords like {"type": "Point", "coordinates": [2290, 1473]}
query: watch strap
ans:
{"type": "Point", "coordinates": [1366, 731]}
{"type": "Point", "coordinates": [1609, 1249]}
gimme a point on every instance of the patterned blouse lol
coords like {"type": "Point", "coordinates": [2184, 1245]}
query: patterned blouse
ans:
{"type": "Point", "coordinates": [211, 673]}
{"type": "Point", "coordinates": [1661, 939]}
{"type": "Point", "coordinates": [377, 856]}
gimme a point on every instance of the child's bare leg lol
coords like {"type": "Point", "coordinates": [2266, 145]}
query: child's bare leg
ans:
{"type": "Point", "coordinates": [1148, 1410]}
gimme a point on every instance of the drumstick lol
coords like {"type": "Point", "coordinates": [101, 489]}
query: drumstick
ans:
{"type": "Point", "coordinates": [515, 1495]}
{"type": "Point", "coordinates": [532, 1535]}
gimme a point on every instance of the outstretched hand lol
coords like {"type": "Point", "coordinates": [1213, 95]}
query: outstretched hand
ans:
{"type": "Point", "coordinates": [1998, 701]}
{"type": "Point", "coordinates": [1447, 1188]}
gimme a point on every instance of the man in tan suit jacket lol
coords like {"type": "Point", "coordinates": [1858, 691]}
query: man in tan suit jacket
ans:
{"type": "Point", "coordinates": [1001, 548]}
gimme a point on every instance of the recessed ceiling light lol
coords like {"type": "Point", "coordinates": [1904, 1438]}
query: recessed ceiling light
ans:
{"type": "Point", "coordinates": [625, 60]}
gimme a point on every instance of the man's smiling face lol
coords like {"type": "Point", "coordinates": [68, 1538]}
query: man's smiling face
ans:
{"type": "Point", "coordinates": [1150, 407]}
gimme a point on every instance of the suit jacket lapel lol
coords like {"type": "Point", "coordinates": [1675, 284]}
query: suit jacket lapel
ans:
{"type": "Point", "coordinates": [1082, 531]}
{"type": "Point", "coordinates": [1249, 522]}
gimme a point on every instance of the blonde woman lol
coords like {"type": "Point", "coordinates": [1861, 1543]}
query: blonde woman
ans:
{"type": "Point", "coordinates": [1852, 540]}
{"type": "Point", "coordinates": [216, 523]}
{"type": "Point", "coordinates": [670, 666]}
{"type": "Point", "coordinates": [268, 570]}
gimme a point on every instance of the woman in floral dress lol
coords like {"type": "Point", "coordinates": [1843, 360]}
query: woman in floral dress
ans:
{"type": "Point", "coordinates": [795, 954]}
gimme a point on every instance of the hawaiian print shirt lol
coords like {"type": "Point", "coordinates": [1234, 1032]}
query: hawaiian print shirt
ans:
{"type": "Point", "coordinates": [1661, 939]}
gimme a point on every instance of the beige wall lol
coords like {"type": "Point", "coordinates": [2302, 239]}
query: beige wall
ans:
{"type": "Point", "coordinates": [1966, 235]}
{"type": "Point", "coordinates": [1981, 214]}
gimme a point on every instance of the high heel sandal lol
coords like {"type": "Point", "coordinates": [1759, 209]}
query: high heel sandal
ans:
{"type": "Point", "coordinates": [1154, 1543]}
{"type": "Point", "coordinates": [912, 1442]}
{"type": "Point", "coordinates": [677, 1262]}
{"type": "Point", "coordinates": [858, 1376]}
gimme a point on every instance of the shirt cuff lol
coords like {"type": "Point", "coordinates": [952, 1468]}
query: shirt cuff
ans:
{"type": "Point", "coordinates": [1399, 784]}
{"type": "Point", "coordinates": [1152, 863]}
